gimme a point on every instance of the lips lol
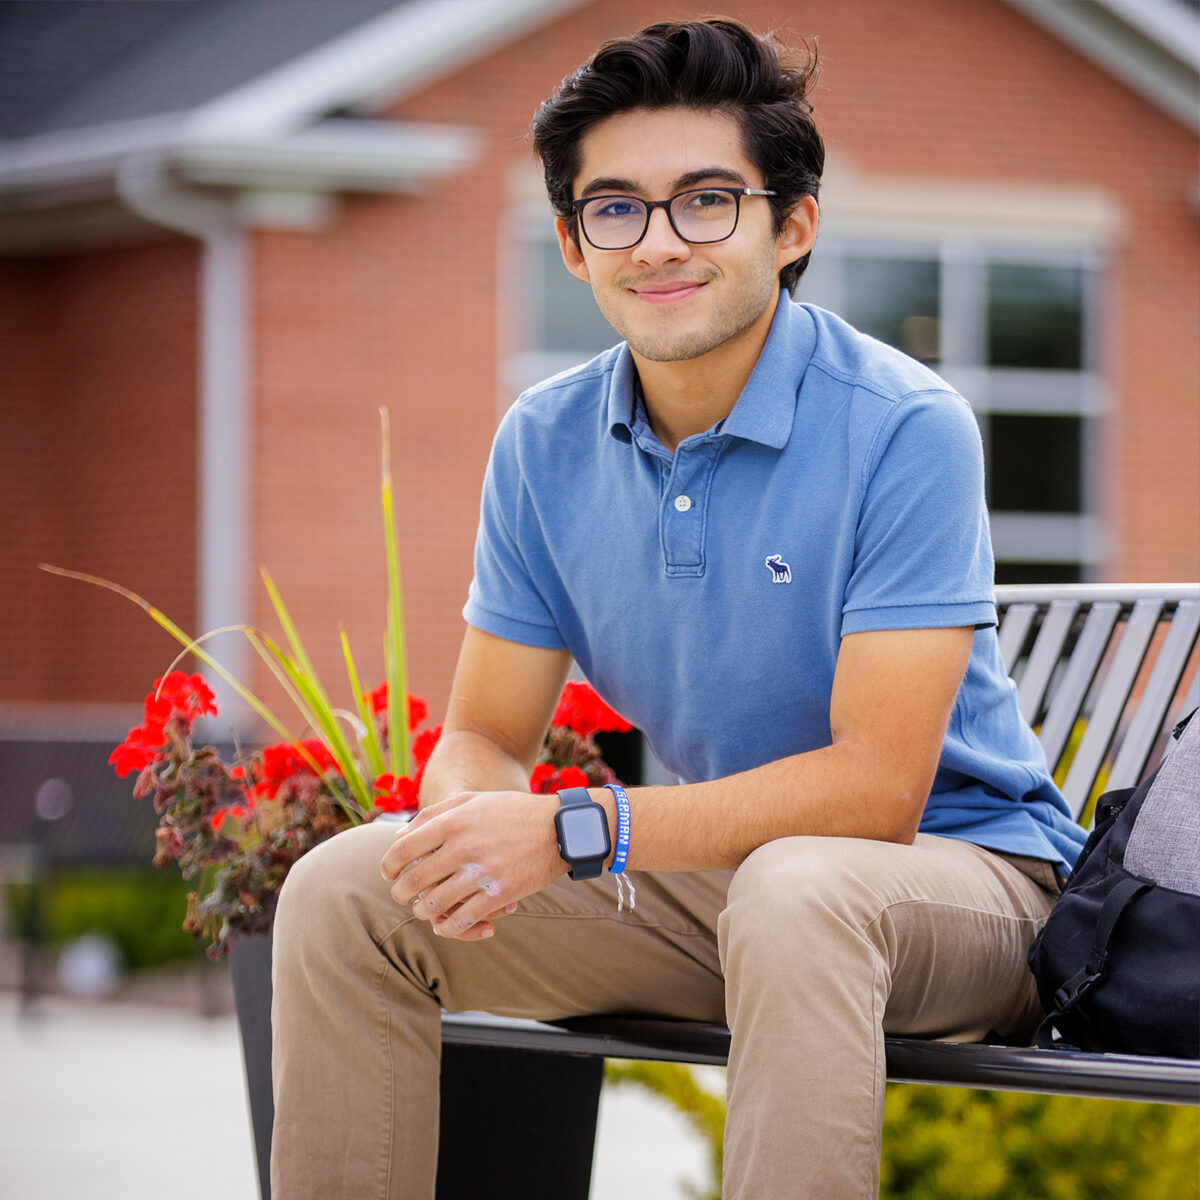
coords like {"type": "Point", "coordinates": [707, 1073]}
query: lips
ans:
{"type": "Point", "coordinates": [668, 292]}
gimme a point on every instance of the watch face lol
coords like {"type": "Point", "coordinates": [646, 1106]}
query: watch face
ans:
{"type": "Point", "coordinates": [584, 832]}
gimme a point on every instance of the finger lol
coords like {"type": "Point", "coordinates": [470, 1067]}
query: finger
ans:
{"type": "Point", "coordinates": [477, 933]}
{"type": "Point", "coordinates": [471, 882]}
{"type": "Point", "coordinates": [412, 842]}
{"type": "Point", "coordinates": [459, 919]}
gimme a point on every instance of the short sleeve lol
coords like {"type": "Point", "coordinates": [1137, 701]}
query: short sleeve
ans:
{"type": "Point", "coordinates": [922, 555]}
{"type": "Point", "coordinates": [504, 599]}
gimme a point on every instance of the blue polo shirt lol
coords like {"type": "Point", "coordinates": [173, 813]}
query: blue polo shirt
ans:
{"type": "Point", "coordinates": [705, 593]}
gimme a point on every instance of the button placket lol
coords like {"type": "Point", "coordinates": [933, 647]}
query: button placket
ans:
{"type": "Point", "coordinates": [683, 510]}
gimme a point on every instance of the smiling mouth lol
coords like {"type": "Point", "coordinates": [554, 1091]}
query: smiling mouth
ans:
{"type": "Point", "coordinates": [669, 292]}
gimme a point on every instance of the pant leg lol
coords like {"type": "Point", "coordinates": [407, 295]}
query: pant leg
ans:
{"type": "Point", "coordinates": [828, 944]}
{"type": "Point", "coordinates": [358, 983]}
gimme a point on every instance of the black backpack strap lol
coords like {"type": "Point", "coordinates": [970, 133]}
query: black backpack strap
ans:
{"type": "Point", "coordinates": [1067, 998]}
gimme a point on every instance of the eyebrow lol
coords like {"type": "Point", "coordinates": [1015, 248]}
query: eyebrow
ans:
{"type": "Point", "coordinates": [609, 184]}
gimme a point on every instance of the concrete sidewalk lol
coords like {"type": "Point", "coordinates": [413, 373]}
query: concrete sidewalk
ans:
{"type": "Point", "coordinates": [134, 1101]}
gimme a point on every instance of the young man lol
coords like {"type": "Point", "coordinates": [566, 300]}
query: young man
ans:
{"type": "Point", "coordinates": [762, 537]}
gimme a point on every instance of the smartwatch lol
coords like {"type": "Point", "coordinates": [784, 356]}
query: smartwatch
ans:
{"type": "Point", "coordinates": [582, 828]}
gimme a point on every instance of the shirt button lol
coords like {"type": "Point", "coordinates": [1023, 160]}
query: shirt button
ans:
{"type": "Point", "coordinates": [683, 503]}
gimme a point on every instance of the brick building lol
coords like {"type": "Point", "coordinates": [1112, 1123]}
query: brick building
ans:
{"type": "Point", "coordinates": [231, 231]}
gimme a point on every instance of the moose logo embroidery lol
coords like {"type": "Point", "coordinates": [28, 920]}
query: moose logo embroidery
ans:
{"type": "Point", "coordinates": [780, 571]}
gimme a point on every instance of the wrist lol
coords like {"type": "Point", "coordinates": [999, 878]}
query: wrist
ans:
{"type": "Point", "coordinates": [603, 797]}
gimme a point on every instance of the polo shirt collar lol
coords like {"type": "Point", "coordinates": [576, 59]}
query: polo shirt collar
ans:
{"type": "Point", "coordinates": [767, 406]}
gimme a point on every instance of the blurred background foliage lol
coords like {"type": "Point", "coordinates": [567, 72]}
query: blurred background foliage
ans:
{"type": "Point", "coordinates": [139, 909]}
{"type": "Point", "coordinates": [961, 1144]}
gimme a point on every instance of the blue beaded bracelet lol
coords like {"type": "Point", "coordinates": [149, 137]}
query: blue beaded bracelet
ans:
{"type": "Point", "coordinates": [622, 850]}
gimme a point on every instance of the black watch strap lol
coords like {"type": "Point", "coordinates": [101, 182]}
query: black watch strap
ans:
{"type": "Point", "coordinates": [576, 795]}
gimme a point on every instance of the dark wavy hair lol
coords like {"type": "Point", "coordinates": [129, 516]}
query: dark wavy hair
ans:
{"type": "Point", "coordinates": [705, 65]}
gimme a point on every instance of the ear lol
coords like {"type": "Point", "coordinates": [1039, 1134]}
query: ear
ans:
{"type": "Point", "coordinates": [572, 256]}
{"type": "Point", "coordinates": [798, 234]}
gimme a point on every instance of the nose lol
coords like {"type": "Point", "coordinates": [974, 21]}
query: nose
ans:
{"type": "Point", "coordinates": [661, 243]}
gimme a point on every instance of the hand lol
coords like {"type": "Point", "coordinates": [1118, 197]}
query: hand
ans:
{"type": "Point", "coordinates": [466, 861]}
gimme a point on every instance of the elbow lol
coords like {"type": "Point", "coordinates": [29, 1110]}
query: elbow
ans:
{"type": "Point", "coordinates": [904, 809]}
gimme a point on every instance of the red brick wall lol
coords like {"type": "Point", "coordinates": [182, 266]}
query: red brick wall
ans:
{"type": "Point", "coordinates": [400, 301]}
{"type": "Point", "coordinates": [99, 383]}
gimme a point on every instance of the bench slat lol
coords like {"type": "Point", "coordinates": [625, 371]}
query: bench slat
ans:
{"type": "Point", "coordinates": [1015, 623]}
{"type": "Point", "coordinates": [1044, 657]}
{"type": "Point", "coordinates": [1154, 704]}
{"type": "Point", "coordinates": [1077, 679]}
{"type": "Point", "coordinates": [909, 1060]}
{"type": "Point", "coordinates": [1118, 684]}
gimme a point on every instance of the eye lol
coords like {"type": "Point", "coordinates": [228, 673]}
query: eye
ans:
{"type": "Point", "coordinates": [707, 203]}
{"type": "Point", "coordinates": [615, 208]}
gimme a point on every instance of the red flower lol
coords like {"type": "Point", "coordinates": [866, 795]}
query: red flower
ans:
{"type": "Point", "coordinates": [570, 777]}
{"type": "Point", "coordinates": [397, 794]}
{"type": "Point", "coordinates": [583, 712]}
{"type": "Point", "coordinates": [234, 810]}
{"type": "Point", "coordinates": [188, 695]}
{"type": "Point", "coordinates": [540, 776]}
{"type": "Point", "coordinates": [131, 755]}
{"type": "Point", "coordinates": [423, 747]}
{"type": "Point", "coordinates": [175, 696]}
{"type": "Point", "coordinates": [286, 760]}
{"type": "Point", "coordinates": [546, 778]}
{"type": "Point", "coordinates": [418, 710]}
{"type": "Point", "coordinates": [315, 750]}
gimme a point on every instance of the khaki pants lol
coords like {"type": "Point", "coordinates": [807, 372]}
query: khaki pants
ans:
{"type": "Point", "coordinates": [811, 951]}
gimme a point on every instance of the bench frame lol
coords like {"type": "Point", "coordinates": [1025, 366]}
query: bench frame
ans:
{"type": "Point", "coordinates": [1118, 656]}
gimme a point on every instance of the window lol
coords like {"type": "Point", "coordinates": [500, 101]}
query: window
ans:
{"type": "Point", "coordinates": [1015, 332]}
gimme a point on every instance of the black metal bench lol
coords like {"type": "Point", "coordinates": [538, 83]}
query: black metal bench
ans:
{"type": "Point", "coordinates": [1103, 672]}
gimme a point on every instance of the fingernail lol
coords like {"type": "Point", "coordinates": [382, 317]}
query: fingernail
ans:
{"type": "Point", "coordinates": [486, 933]}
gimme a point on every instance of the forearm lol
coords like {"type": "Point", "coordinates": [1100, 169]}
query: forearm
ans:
{"type": "Point", "coordinates": [466, 761]}
{"type": "Point", "coordinates": [841, 790]}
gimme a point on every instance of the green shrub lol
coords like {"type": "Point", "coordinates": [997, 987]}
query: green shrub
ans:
{"type": "Point", "coordinates": [140, 908]}
{"type": "Point", "coordinates": [943, 1143]}
{"type": "Point", "coordinates": [959, 1144]}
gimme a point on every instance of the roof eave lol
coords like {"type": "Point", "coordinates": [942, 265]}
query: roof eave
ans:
{"type": "Point", "coordinates": [331, 156]}
{"type": "Point", "coordinates": [1151, 45]}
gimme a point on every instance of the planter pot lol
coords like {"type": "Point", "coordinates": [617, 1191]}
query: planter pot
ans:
{"type": "Point", "coordinates": [541, 1145]}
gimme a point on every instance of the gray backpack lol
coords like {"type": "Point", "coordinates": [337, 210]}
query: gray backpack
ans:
{"type": "Point", "coordinates": [1118, 962]}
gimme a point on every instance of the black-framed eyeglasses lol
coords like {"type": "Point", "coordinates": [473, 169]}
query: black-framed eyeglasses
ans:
{"type": "Point", "coordinates": [699, 216]}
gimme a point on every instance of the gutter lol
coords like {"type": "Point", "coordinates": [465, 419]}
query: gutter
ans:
{"type": "Point", "coordinates": [337, 154]}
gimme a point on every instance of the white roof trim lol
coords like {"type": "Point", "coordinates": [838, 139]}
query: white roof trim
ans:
{"type": "Point", "coordinates": [1165, 22]}
{"type": "Point", "coordinates": [334, 155]}
{"type": "Point", "coordinates": [72, 156]}
{"type": "Point", "coordinates": [385, 57]}
{"type": "Point", "coordinates": [1151, 45]}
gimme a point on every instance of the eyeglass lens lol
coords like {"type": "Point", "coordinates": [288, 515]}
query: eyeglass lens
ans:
{"type": "Point", "coordinates": [618, 222]}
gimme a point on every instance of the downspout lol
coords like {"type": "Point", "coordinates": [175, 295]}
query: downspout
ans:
{"type": "Point", "coordinates": [224, 430]}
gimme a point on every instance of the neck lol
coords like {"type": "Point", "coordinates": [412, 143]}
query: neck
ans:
{"type": "Point", "coordinates": [691, 395]}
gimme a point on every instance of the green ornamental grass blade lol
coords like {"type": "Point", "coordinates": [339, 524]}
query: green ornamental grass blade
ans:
{"type": "Point", "coordinates": [370, 739]}
{"type": "Point", "coordinates": [394, 655]}
{"type": "Point", "coordinates": [189, 643]}
{"type": "Point", "coordinates": [320, 713]}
